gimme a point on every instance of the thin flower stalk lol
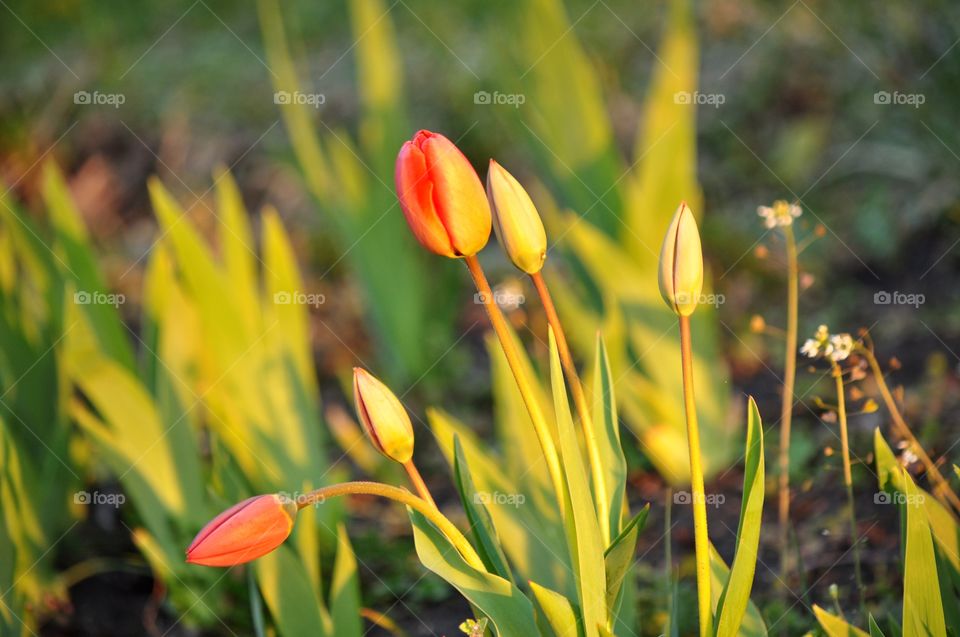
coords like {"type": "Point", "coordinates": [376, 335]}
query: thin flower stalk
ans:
{"type": "Point", "coordinates": [521, 233]}
{"type": "Point", "coordinates": [417, 481]}
{"type": "Point", "coordinates": [539, 421]}
{"type": "Point", "coordinates": [942, 489]}
{"type": "Point", "coordinates": [681, 283]}
{"type": "Point", "coordinates": [580, 401]}
{"type": "Point", "coordinates": [701, 537]}
{"type": "Point", "coordinates": [420, 505]}
{"type": "Point", "coordinates": [848, 481]}
{"type": "Point", "coordinates": [786, 406]}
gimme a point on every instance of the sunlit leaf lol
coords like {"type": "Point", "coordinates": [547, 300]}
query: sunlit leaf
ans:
{"type": "Point", "coordinates": [618, 557]}
{"type": "Point", "coordinates": [531, 535]}
{"type": "Point", "coordinates": [752, 624]}
{"type": "Point", "coordinates": [556, 611]}
{"type": "Point", "coordinates": [607, 427]}
{"type": "Point", "coordinates": [509, 610]}
{"type": "Point", "coordinates": [736, 594]}
{"type": "Point", "coordinates": [835, 626]}
{"type": "Point", "coordinates": [922, 603]}
{"type": "Point", "coordinates": [288, 594]}
{"type": "Point", "coordinates": [481, 524]}
{"type": "Point", "coordinates": [583, 532]}
{"type": "Point", "coordinates": [345, 590]}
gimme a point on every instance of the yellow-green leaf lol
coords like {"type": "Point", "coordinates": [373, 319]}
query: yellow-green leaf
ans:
{"type": "Point", "coordinates": [345, 589]}
{"type": "Point", "coordinates": [835, 626]}
{"type": "Point", "coordinates": [752, 624]}
{"type": "Point", "coordinates": [607, 427]}
{"type": "Point", "coordinates": [736, 594]}
{"type": "Point", "coordinates": [922, 604]}
{"type": "Point", "coordinates": [556, 611]}
{"type": "Point", "coordinates": [508, 609]}
{"type": "Point", "coordinates": [584, 542]}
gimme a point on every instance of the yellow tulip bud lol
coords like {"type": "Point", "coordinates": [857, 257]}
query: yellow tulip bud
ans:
{"type": "Point", "coordinates": [681, 263]}
{"type": "Point", "coordinates": [384, 419]}
{"type": "Point", "coordinates": [516, 220]}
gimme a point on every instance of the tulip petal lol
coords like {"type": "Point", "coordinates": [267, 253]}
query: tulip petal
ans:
{"type": "Point", "coordinates": [244, 532]}
{"type": "Point", "coordinates": [459, 197]}
{"type": "Point", "coordinates": [383, 416]}
{"type": "Point", "coordinates": [415, 192]}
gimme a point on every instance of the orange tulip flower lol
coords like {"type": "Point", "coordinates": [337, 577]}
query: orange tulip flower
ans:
{"type": "Point", "coordinates": [441, 196]}
{"type": "Point", "coordinates": [244, 532]}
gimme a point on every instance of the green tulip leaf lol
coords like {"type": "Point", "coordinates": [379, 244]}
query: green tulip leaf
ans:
{"type": "Point", "coordinates": [618, 557]}
{"type": "Point", "coordinates": [583, 531]}
{"type": "Point", "coordinates": [922, 603]}
{"type": "Point", "coordinates": [556, 611]}
{"type": "Point", "coordinates": [752, 624]}
{"type": "Point", "coordinates": [736, 594]}
{"type": "Point", "coordinates": [502, 602]}
{"type": "Point", "coordinates": [835, 626]}
{"type": "Point", "coordinates": [481, 524]}
{"type": "Point", "coordinates": [607, 429]}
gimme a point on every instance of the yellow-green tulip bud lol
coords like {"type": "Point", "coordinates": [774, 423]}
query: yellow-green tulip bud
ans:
{"type": "Point", "coordinates": [681, 263]}
{"type": "Point", "coordinates": [516, 220]}
{"type": "Point", "coordinates": [384, 419]}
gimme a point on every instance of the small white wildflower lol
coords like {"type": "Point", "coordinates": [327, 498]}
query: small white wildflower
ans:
{"type": "Point", "coordinates": [810, 348]}
{"type": "Point", "coordinates": [907, 458]}
{"type": "Point", "coordinates": [841, 345]}
{"type": "Point", "coordinates": [780, 213]}
{"type": "Point", "coordinates": [835, 347]}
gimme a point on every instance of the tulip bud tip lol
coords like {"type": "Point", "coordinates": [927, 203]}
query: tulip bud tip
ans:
{"type": "Point", "coordinates": [384, 419]}
{"type": "Point", "coordinates": [681, 263]}
{"type": "Point", "coordinates": [516, 220]}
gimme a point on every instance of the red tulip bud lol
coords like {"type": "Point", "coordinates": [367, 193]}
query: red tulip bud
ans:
{"type": "Point", "coordinates": [244, 532]}
{"type": "Point", "coordinates": [441, 196]}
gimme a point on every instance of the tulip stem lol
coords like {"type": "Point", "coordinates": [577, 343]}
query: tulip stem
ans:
{"type": "Point", "coordinates": [580, 400]}
{"type": "Point", "coordinates": [786, 405]}
{"type": "Point", "coordinates": [941, 487]}
{"type": "Point", "coordinates": [404, 497]}
{"type": "Point", "coordinates": [417, 480]}
{"type": "Point", "coordinates": [848, 482]}
{"type": "Point", "coordinates": [544, 435]}
{"type": "Point", "coordinates": [701, 537]}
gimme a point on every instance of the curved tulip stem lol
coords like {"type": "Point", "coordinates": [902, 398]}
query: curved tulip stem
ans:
{"type": "Point", "coordinates": [701, 537]}
{"type": "Point", "coordinates": [406, 498]}
{"type": "Point", "coordinates": [547, 444]}
{"type": "Point", "coordinates": [848, 482]}
{"type": "Point", "coordinates": [580, 401]}
{"type": "Point", "coordinates": [417, 480]}
{"type": "Point", "coordinates": [786, 405]}
{"type": "Point", "coordinates": [941, 487]}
